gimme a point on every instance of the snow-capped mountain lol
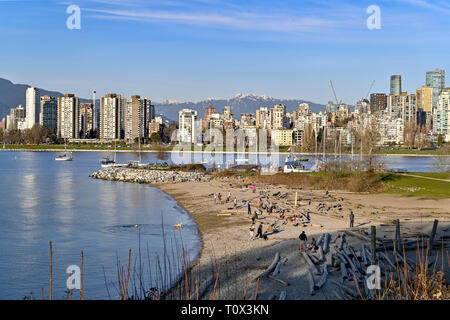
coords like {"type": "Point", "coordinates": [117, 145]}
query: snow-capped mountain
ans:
{"type": "Point", "coordinates": [240, 103]}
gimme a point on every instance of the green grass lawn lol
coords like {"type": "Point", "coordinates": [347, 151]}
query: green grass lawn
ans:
{"type": "Point", "coordinates": [414, 186]}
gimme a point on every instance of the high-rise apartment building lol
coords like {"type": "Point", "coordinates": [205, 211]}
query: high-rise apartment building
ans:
{"type": "Point", "coordinates": [32, 107]}
{"type": "Point", "coordinates": [403, 106]}
{"type": "Point", "coordinates": [16, 116]}
{"type": "Point", "coordinates": [48, 116]}
{"type": "Point", "coordinates": [435, 79]}
{"type": "Point", "coordinates": [187, 126]}
{"type": "Point", "coordinates": [277, 114]}
{"type": "Point", "coordinates": [425, 104]}
{"type": "Point", "coordinates": [137, 118]}
{"type": "Point", "coordinates": [396, 84]}
{"type": "Point", "coordinates": [86, 119]}
{"type": "Point", "coordinates": [262, 118]}
{"type": "Point", "coordinates": [110, 111]}
{"type": "Point", "coordinates": [68, 107]}
{"type": "Point", "coordinates": [442, 123]}
{"type": "Point", "coordinates": [378, 102]}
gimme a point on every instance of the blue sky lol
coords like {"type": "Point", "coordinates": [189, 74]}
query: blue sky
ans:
{"type": "Point", "coordinates": [195, 49]}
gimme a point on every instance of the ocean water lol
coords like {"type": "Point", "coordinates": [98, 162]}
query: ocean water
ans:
{"type": "Point", "coordinates": [42, 200]}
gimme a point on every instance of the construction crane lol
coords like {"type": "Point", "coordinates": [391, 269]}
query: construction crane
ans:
{"type": "Point", "coordinates": [370, 89]}
{"type": "Point", "coordinates": [334, 92]}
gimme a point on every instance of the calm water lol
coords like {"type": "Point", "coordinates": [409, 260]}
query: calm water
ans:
{"type": "Point", "coordinates": [42, 200]}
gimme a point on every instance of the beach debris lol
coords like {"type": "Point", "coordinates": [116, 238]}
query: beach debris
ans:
{"type": "Point", "coordinates": [326, 244]}
{"type": "Point", "coordinates": [271, 267]}
{"type": "Point", "coordinates": [311, 264]}
{"type": "Point", "coordinates": [282, 295]}
{"type": "Point", "coordinates": [279, 280]}
{"type": "Point", "coordinates": [311, 283]}
{"type": "Point", "coordinates": [279, 264]}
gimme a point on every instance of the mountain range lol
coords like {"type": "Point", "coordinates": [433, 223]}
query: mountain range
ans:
{"type": "Point", "coordinates": [11, 95]}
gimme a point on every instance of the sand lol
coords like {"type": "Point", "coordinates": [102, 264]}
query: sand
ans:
{"type": "Point", "coordinates": [226, 239]}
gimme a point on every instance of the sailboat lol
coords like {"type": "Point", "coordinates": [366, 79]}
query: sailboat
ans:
{"type": "Point", "coordinates": [107, 162]}
{"type": "Point", "coordinates": [138, 163]}
{"type": "Point", "coordinates": [66, 156]}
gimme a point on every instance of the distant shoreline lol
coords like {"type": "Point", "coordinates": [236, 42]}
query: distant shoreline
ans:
{"type": "Point", "coordinates": [215, 152]}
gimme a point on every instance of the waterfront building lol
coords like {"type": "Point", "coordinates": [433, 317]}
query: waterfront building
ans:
{"type": "Point", "coordinates": [32, 107]}
{"type": "Point", "coordinates": [403, 106]}
{"type": "Point", "coordinates": [425, 103]}
{"type": "Point", "coordinates": [277, 114]}
{"type": "Point", "coordinates": [187, 126]}
{"type": "Point", "coordinates": [396, 84]}
{"type": "Point", "coordinates": [154, 127]}
{"type": "Point", "coordinates": [138, 115]}
{"type": "Point", "coordinates": [68, 107]}
{"type": "Point", "coordinates": [16, 115]}
{"type": "Point", "coordinates": [110, 111]}
{"type": "Point", "coordinates": [86, 119]}
{"type": "Point", "coordinates": [262, 118]}
{"type": "Point", "coordinates": [443, 115]}
{"type": "Point", "coordinates": [48, 116]}
{"type": "Point", "coordinates": [282, 137]}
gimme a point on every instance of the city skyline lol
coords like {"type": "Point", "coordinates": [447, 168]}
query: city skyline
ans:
{"type": "Point", "coordinates": [194, 50]}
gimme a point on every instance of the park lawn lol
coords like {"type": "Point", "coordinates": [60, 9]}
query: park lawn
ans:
{"type": "Point", "coordinates": [415, 186]}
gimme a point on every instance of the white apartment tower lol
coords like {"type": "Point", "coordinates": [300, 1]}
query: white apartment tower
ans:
{"type": "Point", "coordinates": [187, 122]}
{"type": "Point", "coordinates": [68, 106]}
{"type": "Point", "coordinates": [32, 107]}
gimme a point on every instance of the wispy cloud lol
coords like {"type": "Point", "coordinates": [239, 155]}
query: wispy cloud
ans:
{"type": "Point", "coordinates": [230, 19]}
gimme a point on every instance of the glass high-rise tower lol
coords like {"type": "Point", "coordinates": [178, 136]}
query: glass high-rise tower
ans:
{"type": "Point", "coordinates": [396, 84]}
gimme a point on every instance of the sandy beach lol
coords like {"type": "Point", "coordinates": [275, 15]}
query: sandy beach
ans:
{"type": "Point", "coordinates": [226, 238]}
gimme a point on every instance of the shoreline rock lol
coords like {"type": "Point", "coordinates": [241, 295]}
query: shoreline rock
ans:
{"type": "Point", "coordinates": [148, 176]}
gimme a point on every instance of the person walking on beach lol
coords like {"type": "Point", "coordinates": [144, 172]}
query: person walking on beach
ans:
{"type": "Point", "coordinates": [254, 188]}
{"type": "Point", "coordinates": [255, 216]}
{"type": "Point", "coordinates": [303, 238]}
{"type": "Point", "coordinates": [252, 232]}
{"type": "Point", "coordinates": [352, 219]}
{"type": "Point", "coordinates": [249, 208]}
{"type": "Point", "coordinates": [235, 203]}
{"type": "Point", "coordinates": [259, 234]}
{"type": "Point", "coordinates": [219, 197]}
{"type": "Point", "coordinates": [229, 196]}
{"type": "Point", "coordinates": [215, 198]}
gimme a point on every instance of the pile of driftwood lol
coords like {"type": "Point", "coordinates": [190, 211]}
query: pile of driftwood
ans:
{"type": "Point", "coordinates": [272, 273]}
{"type": "Point", "coordinates": [351, 263]}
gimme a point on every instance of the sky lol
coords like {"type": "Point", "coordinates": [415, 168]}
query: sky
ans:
{"type": "Point", "coordinates": [190, 50]}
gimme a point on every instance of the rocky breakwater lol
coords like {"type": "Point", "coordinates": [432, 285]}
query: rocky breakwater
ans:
{"type": "Point", "coordinates": [148, 176]}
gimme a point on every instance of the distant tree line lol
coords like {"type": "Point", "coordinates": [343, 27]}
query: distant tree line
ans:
{"type": "Point", "coordinates": [36, 135]}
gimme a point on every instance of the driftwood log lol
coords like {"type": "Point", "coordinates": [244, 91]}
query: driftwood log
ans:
{"type": "Point", "coordinates": [326, 244]}
{"type": "Point", "coordinates": [271, 267]}
{"type": "Point", "coordinates": [311, 283]}
{"type": "Point", "coordinates": [310, 263]}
